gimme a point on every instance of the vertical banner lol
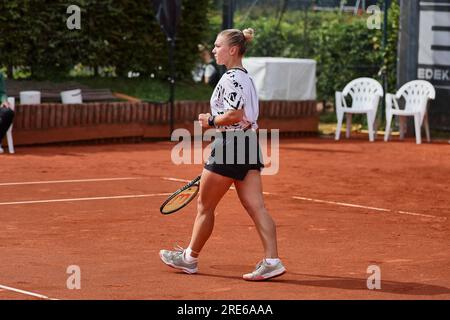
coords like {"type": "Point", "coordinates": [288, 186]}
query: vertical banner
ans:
{"type": "Point", "coordinates": [433, 62]}
{"type": "Point", "coordinates": [168, 14]}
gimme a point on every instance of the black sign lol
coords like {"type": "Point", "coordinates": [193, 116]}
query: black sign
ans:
{"type": "Point", "coordinates": [168, 14]}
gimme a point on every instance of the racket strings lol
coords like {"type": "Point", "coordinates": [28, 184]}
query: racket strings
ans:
{"type": "Point", "coordinates": [180, 200]}
{"type": "Point", "coordinates": [181, 197]}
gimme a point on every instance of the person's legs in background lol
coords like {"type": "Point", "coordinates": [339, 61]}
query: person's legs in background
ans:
{"type": "Point", "coordinates": [6, 118]}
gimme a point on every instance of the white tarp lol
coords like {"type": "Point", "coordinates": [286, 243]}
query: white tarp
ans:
{"type": "Point", "coordinates": [283, 78]}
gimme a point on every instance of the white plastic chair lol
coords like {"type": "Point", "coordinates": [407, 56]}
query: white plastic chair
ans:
{"type": "Point", "coordinates": [9, 137]}
{"type": "Point", "coordinates": [416, 94]}
{"type": "Point", "coordinates": [365, 94]}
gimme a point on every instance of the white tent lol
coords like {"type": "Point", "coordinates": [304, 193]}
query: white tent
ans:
{"type": "Point", "coordinates": [283, 78]}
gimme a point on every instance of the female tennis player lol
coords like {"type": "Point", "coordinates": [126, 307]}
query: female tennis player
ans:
{"type": "Point", "coordinates": [234, 108]}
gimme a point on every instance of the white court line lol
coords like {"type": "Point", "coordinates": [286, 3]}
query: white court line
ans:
{"type": "Point", "coordinates": [342, 204]}
{"type": "Point", "coordinates": [66, 181]}
{"type": "Point", "coordinates": [370, 208]}
{"type": "Point", "coordinates": [28, 293]}
{"type": "Point", "coordinates": [85, 199]}
{"type": "Point", "coordinates": [421, 215]}
{"type": "Point", "coordinates": [175, 179]}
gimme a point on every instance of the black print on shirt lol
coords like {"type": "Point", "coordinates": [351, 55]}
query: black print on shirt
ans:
{"type": "Point", "coordinates": [220, 90]}
{"type": "Point", "coordinates": [237, 85]}
{"type": "Point", "coordinates": [232, 76]}
{"type": "Point", "coordinates": [231, 100]}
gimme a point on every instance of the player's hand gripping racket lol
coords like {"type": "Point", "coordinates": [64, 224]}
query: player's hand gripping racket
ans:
{"type": "Point", "coordinates": [180, 198]}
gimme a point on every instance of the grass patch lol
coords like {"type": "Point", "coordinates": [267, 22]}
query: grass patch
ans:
{"type": "Point", "coordinates": [150, 89]}
{"type": "Point", "coordinates": [328, 117]}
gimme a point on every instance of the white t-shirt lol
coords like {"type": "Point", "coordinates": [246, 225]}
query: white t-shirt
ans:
{"type": "Point", "coordinates": [209, 70]}
{"type": "Point", "coordinates": [235, 91]}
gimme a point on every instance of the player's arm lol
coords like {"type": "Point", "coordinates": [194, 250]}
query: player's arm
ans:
{"type": "Point", "coordinates": [228, 118]}
{"type": "Point", "coordinates": [233, 105]}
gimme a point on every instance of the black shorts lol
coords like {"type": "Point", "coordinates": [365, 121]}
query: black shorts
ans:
{"type": "Point", "coordinates": [6, 119]}
{"type": "Point", "coordinates": [234, 153]}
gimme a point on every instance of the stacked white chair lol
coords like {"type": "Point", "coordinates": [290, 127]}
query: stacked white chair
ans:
{"type": "Point", "coordinates": [416, 94]}
{"type": "Point", "coordinates": [365, 94]}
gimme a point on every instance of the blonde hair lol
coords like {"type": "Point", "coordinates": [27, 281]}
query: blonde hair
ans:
{"type": "Point", "coordinates": [239, 38]}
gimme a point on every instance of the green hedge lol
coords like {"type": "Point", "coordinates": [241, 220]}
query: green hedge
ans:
{"type": "Point", "coordinates": [125, 34]}
{"type": "Point", "coordinates": [119, 33]}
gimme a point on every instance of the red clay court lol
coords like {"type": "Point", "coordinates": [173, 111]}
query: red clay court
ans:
{"type": "Point", "coordinates": [340, 207]}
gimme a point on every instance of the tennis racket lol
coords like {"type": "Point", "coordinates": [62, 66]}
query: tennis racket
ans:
{"type": "Point", "coordinates": [180, 198]}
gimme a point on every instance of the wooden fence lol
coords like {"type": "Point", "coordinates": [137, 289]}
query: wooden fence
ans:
{"type": "Point", "coordinates": [54, 122]}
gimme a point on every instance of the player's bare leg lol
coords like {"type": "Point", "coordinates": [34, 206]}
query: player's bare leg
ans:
{"type": "Point", "coordinates": [212, 188]}
{"type": "Point", "coordinates": [250, 193]}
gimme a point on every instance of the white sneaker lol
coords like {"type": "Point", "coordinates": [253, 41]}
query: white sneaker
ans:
{"type": "Point", "coordinates": [175, 259]}
{"type": "Point", "coordinates": [265, 271]}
